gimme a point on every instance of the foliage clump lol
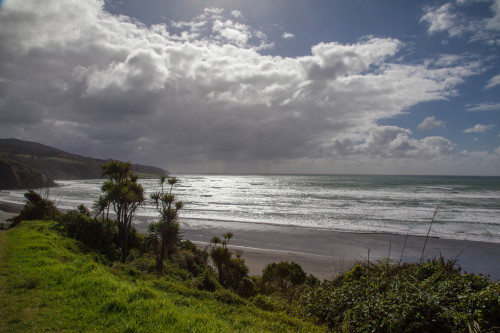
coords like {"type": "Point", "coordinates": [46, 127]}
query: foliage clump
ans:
{"type": "Point", "coordinates": [429, 297]}
{"type": "Point", "coordinates": [282, 276]}
{"type": "Point", "coordinates": [283, 284]}
{"type": "Point", "coordinates": [36, 208]}
{"type": "Point", "coordinates": [232, 272]}
{"type": "Point", "coordinates": [100, 235]}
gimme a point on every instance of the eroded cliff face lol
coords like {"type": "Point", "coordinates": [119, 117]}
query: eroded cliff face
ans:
{"type": "Point", "coordinates": [15, 175]}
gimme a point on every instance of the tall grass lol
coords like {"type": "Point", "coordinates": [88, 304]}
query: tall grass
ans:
{"type": "Point", "coordinates": [428, 233]}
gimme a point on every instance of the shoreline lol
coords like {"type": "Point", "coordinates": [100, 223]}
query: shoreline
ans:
{"type": "Point", "coordinates": [256, 259]}
{"type": "Point", "coordinates": [326, 253]}
{"type": "Point", "coordinates": [8, 211]}
{"type": "Point", "coordinates": [345, 248]}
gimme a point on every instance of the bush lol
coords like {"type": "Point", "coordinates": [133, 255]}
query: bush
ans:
{"type": "Point", "coordinates": [312, 281]}
{"type": "Point", "coordinates": [208, 282]}
{"type": "Point", "coordinates": [143, 262]}
{"type": "Point", "coordinates": [36, 208]}
{"type": "Point", "coordinates": [135, 240]}
{"type": "Point", "coordinates": [234, 272]}
{"type": "Point", "coordinates": [430, 297]}
{"type": "Point", "coordinates": [193, 262]}
{"type": "Point", "coordinates": [283, 276]}
{"type": "Point", "coordinates": [264, 302]}
{"type": "Point", "coordinates": [246, 288]}
{"type": "Point", "coordinates": [231, 270]}
{"type": "Point", "coordinates": [191, 258]}
{"type": "Point", "coordinates": [93, 233]}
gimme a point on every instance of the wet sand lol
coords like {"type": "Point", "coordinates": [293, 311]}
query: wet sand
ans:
{"type": "Point", "coordinates": [8, 211]}
{"type": "Point", "coordinates": [326, 253]}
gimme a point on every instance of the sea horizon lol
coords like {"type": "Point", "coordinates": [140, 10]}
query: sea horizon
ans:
{"type": "Point", "coordinates": [174, 174]}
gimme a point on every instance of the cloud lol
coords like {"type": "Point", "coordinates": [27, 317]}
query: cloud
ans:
{"type": "Point", "coordinates": [442, 19]}
{"type": "Point", "coordinates": [490, 106]}
{"type": "Point", "coordinates": [287, 35]}
{"type": "Point", "coordinates": [430, 123]}
{"type": "Point", "coordinates": [493, 82]}
{"type": "Point", "coordinates": [199, 95]}
{"type": "Point", "coordinates": [494, 22]}
{"type": "Point", "coordinates": [213, 27]}
{"type": "Point", "coordinates": [237, 14]}
{"type": "Point", "coordinates": [454, 19]}
{"type": "Point", "coordinates": [478, 128]}
{"type": "Point", "coordinates": [392, 141]}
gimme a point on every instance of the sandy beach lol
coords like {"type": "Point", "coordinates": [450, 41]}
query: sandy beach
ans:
{"type": "Point", "coordinates": [3, 219]}
{"type": "Point", "coordinates": [326, 253]}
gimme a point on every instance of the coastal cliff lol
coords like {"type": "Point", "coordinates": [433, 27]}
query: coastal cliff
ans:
{"type": "Point", "coordinates": [25, 164]}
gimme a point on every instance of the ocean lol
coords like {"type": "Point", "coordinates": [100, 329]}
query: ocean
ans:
{"type": "Point", "coordinates": [468, 208]}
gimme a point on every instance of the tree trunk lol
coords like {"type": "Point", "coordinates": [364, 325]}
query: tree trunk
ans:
{"type": "Point", "coordinates": [121, 235]}
{"type": "Point", "coordinates": [159, 262]}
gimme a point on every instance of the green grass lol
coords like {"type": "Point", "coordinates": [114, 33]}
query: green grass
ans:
{"type": "Point", "coordinates": [47, 283]}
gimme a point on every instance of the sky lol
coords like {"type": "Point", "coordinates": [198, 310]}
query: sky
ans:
{"type": "Point", "coordinates": [234, 86]}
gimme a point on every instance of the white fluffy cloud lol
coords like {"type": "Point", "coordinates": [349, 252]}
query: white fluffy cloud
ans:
{"type": "Point", "coordinates": [430, 123]}
{"type": "Point", "coordinates": [212, 27]}
{"type": "Point", "coordinates": [478, 128]}
{"type": "Point", "coordinates": [391, 141]}
{"type": "Point", "coordinates": [200, 93]}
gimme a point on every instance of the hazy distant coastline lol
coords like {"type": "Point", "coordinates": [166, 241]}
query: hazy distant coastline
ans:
{"type": "Point", "coordinates": [26, 164]}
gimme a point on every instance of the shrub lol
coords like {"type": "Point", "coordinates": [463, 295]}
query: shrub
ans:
{"type": "Point", "coordinates": [193, 262]}
{"type": "Point", "coordinates": [208, 282]}
{"type": "Point", "coordinates": [246, 287]}
{"type": "Point", "coordinates": [93, 233]}
{"type": "Point", "coordinates": [312, 281]}
{"type": "Point", "coordinates": [433, 296]}
{"type": "Point", "coordinates": [36, 208]}
{"type": "Point", "coordinates": [231, 270]}
{"type": "Point", "coordinates": [282, 277]}
{"type": "Point", "coordinates": [264, 302]}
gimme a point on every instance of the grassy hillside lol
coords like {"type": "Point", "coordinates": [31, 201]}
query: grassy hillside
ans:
{"type": "Point", "coordinates": [31, 164]}
{"type": "Point", "coordinates": [48, 283]}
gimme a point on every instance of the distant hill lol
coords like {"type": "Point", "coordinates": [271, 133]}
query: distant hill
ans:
{"type": "Point", "coordinates": [25, 164]}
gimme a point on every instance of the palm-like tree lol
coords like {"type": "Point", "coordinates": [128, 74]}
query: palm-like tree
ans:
{"type": "Point", "coordinates": [165, 234]}
{"type": "Point", "coordinates": [221, 256]}
{"type": "Point", "coordinates": [125, 195]}
{"type": "Point", "coordinates": [100, 206]}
